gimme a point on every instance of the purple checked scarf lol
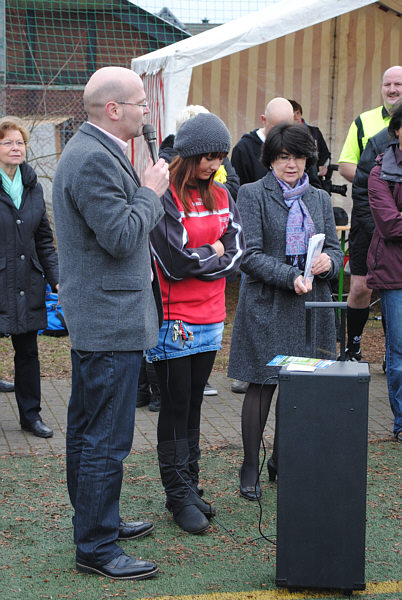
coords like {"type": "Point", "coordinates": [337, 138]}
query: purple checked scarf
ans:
{"type": "Point", "coordinates": [299, 226]}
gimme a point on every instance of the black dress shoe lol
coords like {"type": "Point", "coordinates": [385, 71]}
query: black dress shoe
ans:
{"type": "Point", "coordinates": [250, 492]}
{"type": "Point", "coordinates": [122, 567]}
{"type": "Point", "coordinates": [38, 428]}
{"type": "Point", "coordinates": [6, 386]}
{"type": "Point", "coordinates": [134, 529]}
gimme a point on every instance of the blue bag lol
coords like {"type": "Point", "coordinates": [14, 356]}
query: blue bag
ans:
{"type": "Point", "coordinates": [56, 325]}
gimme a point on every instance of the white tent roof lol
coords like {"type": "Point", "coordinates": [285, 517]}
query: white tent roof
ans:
{"type": "Point", "coordinates": [176, 61]}
{"type": "Point", "coordinates": [256, 28]}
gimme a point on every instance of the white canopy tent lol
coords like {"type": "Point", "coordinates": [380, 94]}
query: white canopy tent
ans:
{"type": "Point", "coordinates": [320, 53]}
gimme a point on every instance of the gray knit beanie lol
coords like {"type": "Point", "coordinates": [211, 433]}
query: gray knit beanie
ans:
{"type": "Point", "coordinates": [202, 134]}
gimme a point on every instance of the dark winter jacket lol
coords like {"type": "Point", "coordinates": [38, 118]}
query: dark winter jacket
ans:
{"type": "Point", "coordinates": [384, 260]}
{"type": "Point", "coordinates": [324, 155]}
{"type": "Point", "coordinates": [246, 158]}
{"type": "Point", "coordinates": [232, 183]}
{"type": "Point", "coordinates": [361, 214]}
{"type": "Point", "coordinates": [27, 257]}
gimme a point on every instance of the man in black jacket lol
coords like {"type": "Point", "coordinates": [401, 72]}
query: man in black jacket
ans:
{"type": "Point", "coordinates": [324, 155]}
{"type": "Point", "coordinates": [375, 146]}
{"type": "Point", "coordinates": [246, 155]}
{"type": "Point", "coordinates": [358, 246]}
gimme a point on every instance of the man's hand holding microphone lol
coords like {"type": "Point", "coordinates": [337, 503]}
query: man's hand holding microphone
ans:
{"type": "Point", "coordinates": [156, 175]}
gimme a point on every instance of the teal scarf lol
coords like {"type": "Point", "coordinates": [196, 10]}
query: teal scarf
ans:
{"type": "Point", "coordinates": [13, 188]}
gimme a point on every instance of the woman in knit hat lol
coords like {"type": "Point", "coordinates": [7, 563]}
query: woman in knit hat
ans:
{"type": "Point", "coordinates": [198, 243]}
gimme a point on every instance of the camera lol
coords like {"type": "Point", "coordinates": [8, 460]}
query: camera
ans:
{"type": "Point", "coordinates": [330, 187]}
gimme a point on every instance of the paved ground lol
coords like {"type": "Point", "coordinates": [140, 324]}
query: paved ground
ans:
{"type": "Point", "coordinates": [220, 418]}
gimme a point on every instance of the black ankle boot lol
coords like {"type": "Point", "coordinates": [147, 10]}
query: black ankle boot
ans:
{"type": "Point", "coordinates": [205, 507]}
{"type": "Point", "coordinates": [181, 500]}
{"type": "Point", "coordinates": [190, 518]}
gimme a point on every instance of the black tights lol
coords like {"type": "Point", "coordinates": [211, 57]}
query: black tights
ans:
{"type": "Point", "coordinates": [182, 382]}
{"type": "Point", "coordinates": [254, 416]}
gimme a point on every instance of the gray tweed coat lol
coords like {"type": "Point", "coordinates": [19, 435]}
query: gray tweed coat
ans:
{"type": "Point", "coordinates": [103, 218]}
{"type": "Point", "coordinates": [270, 316]}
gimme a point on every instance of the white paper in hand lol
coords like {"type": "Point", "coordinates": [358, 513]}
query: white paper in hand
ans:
{"type": "Point", "coordinates": [315, 245]}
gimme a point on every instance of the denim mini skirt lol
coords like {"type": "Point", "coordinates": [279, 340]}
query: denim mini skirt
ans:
{"type": "Point", "coordinates": [178, 338]}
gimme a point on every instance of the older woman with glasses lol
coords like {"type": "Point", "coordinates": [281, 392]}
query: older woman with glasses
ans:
{"type": "Point", "coordinates": [27, 259]}
{"type": "Point", "coordinates": [280, 213]}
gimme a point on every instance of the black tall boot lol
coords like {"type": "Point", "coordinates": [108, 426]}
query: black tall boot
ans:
{"type": "Point", "coordinates": [194, 469]}
{"type": "Point", "coordinates": [181, 500]}
{"type": "Point", "coordinates": [194, 457]}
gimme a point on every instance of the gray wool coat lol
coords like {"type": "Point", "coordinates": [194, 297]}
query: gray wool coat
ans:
{"type": "Point", "coordinates": [270, 316]}
{"type": "Point", "coordinates": [102, 219]}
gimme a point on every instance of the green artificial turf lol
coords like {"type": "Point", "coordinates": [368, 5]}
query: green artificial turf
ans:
{"type": "Point", "coordinates": [37, 552]}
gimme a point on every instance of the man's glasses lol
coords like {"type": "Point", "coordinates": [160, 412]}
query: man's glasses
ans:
{"type": "Point", "coordinates": [142, 104]}
{"type": "Point", "coordinates": [9, 144]}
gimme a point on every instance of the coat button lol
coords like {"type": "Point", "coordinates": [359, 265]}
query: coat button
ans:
{"type": "Point", "coordinates": [22, 293]}
{"type": "Point", "coordinates": [22, 257]}
{"type": "Point", "coordinates": [18, 221]}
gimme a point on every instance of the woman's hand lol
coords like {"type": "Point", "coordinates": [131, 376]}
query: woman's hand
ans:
{"type": "Point", "coordinates": [321, 265]}
{"type": "Point", "coordinates": [219, 248]}
{"type": "Point", "coordinates": [300, 287]}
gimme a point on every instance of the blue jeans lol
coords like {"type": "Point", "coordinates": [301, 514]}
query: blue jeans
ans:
{"type": "Point", "coordinates": [100, 428]}
{"type": "Point", "coordinates": [391, 302]}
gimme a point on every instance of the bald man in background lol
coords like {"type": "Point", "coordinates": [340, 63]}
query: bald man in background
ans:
{"type": "Point", "coordinates": [103, 215]}
{"type": "Point", "coordinates": [246, 154]}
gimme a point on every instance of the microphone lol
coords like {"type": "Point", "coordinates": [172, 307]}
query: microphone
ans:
{"type": "Point", "coordinates": [149, 134]}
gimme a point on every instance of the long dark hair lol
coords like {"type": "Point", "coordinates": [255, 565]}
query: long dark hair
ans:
{"type": "Point", "coordinates": [182, 171]}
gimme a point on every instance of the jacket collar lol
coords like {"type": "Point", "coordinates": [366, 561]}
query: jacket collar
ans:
{"type": "Point", "coordinates": [28, 176]}
{"type": "Point", "coordinates": [390, 170]}
{"type": "Point", "coordinates": [112, 147]}
{"type": "Point", "coordinates": [384, 113]}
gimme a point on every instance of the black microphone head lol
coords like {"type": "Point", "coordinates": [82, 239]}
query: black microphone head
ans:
{"type": "Point", "coordinates": [149, 132]}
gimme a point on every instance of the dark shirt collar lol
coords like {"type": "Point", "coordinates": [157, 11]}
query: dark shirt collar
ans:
{"type": "Point", "coordinates": [385, 113]}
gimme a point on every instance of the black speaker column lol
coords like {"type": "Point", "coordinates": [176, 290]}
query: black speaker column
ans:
{"type": "Point", "coordinates": [322, 465]}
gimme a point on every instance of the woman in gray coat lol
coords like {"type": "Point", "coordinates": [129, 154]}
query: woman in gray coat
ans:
{"type": "Point", "coordinates": [280, 213]}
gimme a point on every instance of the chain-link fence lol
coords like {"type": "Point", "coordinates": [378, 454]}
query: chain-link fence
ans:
{"type": "Point", "coordinates": [49, 49]}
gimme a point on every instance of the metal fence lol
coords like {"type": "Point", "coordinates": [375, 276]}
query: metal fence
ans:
{"type": "Point", "coordinates": [49, 49]}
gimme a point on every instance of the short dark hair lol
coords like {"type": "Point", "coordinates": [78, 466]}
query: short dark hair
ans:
{"type": "Point", "coordinates": [294, 139]}
{"type": "Point", "coordinates": [296, 106]}
{"type": "Point", "coordinates": [395, 122]}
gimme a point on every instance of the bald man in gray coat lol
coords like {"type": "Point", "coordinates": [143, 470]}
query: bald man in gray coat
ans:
{"type": "Point", "coordinates": [110, 294]}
